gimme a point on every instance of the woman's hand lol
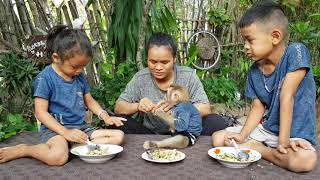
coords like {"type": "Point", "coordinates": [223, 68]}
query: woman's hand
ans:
{"type": "Point", "coordinates": [145, 105]}
{"type": "Point", "coordinates": [239, 138]}
{"type": "Point", "coordinates": [75, 135]}
{"type": "Point", "coordinates": [162, 106]}
{"type": "Point", "coordinates": [113, 120]}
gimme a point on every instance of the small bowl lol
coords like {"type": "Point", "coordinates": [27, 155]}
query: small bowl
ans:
{"type": "Point", "coordinates": [217, 152]}
{"type": "Point", "coordinates": [82, 151]}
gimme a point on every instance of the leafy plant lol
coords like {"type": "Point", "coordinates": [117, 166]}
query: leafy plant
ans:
{"type": "Point", "coordinates": [13, 124]}
{"type": "Point", "coordinates": [162, 20]}
{"type": "Point", "coordinates": [123, 32]}
{"type": "Point", "coordinates": [304, 32]}
{"type": "Point", "coordinates": [218, 17]}
{"type": "Point", "coordinates": [221, 90]}
{"type": "Point", "coordinates": [16, 81]}
{"type": "Point", "coordinates": [316, 75]}
{"type": "Point", "coordinates": [113, 84]}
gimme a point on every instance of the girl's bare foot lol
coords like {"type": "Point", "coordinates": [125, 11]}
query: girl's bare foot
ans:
{"type": "Point", "coordinates": [11, 153]}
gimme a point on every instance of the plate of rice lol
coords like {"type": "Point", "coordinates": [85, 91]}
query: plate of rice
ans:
{"type": "Point", "coordinates": [163, 155]}
{"type": "Point", "coordinates": [103, 154]}
{"type": "Point", "coordinates": [227, 156]}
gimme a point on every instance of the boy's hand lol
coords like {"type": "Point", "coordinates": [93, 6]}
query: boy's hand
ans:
{"type": "Point", "coordinates": [113, 120]}
{"type": "Point", "coordinates": [282, 148]}
{"type": "Point", "coordinates": [145, 105]}
{"type": "Point", "coordinates": [75, 135]}
{"type": "Point", "coordinates": [239, 138]}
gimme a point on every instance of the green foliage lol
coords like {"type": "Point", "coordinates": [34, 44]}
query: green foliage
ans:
{"type": "Point", "coordinates": [162, 20]}
{"type": "Point", "coordinates": [16, 82]}
{"type": "Point", "coordinates": [221, 90]}
{"type": "Point", "coordinates": [218, 17]}
{"type": "Point", "coordinates": [304, 32]}
{"type": "Point", "coordinates": [113, 84]}
{"type": "Point", "coordinates": [17, 74]}
{"type": "Point", "coordinates": [123, 32]}
{"type": "Point", "coordinates": [192, 55]}
{"type": "Point", "coordinates": [11, 124]}
{"type": "Point", "coordinates": [241, 70]}
{"type": "Point", "coordinates": [316, 75]}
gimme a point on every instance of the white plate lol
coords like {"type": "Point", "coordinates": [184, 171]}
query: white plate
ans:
{"type": "Point", "coordinates": [147, 158]}
{"type": "Point", "coordinates": [82, 151]}
{"type": "Point", "coordinates": [218, 151]}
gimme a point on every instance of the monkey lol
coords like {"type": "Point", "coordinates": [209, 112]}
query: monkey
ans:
{"type": "Point", "coordinates": [184, 120]}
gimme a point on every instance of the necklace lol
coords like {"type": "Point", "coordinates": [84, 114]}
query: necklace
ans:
{"type": "Point", "coordinates": [265, 83]}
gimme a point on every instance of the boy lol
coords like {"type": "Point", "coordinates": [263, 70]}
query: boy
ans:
{"type": "Point", "coordinates": [281, 85]}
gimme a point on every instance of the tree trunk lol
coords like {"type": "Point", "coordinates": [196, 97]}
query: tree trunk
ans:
{"type": "Point", "coordinates": [146, 4]}
{"type": "Point", "coordinates": [102, 32]}
{"type": "Point", "coordinates": [30, 22]}
{"type": "Point", "coordinates": [35, 14]}
{"type": "Point", "coordinates": [45, 18]}
{"type": "Point", "coordinates": [9, 18]}
{"type": "Point", "coordinates": [103, 8]}
{"type": "Point", "coordinates": [4, 23]}
{"type": "Point", "coordinates": [93, 79]}
{"type": "Point", "coordinates": [59, 19]}
{"type": "Point", "coordinates": [73, 9]}
{"type": "Point", "coordinates": [23, 18]}
{"type": "Point", "coordinates": [108, 6]}
{"type": "Point", "coordinates": [197, 27]}
{"type": "Point", "coordinates": [18, 29]}
{"type": "Point", "coordinates": [66, 15]}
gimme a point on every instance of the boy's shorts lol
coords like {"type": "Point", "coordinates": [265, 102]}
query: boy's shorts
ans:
{"type": "Point", "coordinates": [47, 134]}
{"type": "Point", "coordinates": [262, 135]}
{"type": "Point", "coordinates": [192, 138]}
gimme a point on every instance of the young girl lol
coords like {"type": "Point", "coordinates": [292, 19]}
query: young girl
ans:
{"type": "Point", "coordinates": [62, 96]}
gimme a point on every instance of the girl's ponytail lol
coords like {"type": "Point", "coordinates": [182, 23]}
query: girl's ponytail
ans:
{"type": "Point", "coordinates": [52, 34]}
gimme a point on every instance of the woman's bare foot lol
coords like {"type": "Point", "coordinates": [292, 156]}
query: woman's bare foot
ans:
{"type": "Point", "coordinates": [11, 153]}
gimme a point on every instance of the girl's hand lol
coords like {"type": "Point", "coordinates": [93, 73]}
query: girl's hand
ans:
{"type": "Point", "coordinates": [113, 120]}
{"type": "Point", "coordinates": [75, 135]}
{"type": "Point", "coordinates": [239, 138]}
{"type": "Point", "coordinates": [145, 105]}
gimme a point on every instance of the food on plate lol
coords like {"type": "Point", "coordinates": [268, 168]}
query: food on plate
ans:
{"type": "Point", "coordinates": [228, 156]}
{"type": "Point", "coordinates": [98, 152]}
{"type": "Point", "coordinates": [165, 154]}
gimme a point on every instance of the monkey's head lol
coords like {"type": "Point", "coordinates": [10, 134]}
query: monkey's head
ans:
{"type": "Point", "coordinates": [177, 94]}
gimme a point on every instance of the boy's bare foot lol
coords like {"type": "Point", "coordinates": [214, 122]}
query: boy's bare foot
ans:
{"type": "Point", "coordinates": [150, 144]}
{"type": "Point", "coordinates": [11, 153]}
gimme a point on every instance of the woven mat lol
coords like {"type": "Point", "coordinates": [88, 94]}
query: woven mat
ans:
{"type": "Point", "coordinates": [130, 165]}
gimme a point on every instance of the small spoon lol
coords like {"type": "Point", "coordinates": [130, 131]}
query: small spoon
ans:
{"type": "Point", "coordinates": [149, 153]}
{"type": "Point", "coordinates": [92, 146]}
{"type": "Point", "coordinates": [242, 155]}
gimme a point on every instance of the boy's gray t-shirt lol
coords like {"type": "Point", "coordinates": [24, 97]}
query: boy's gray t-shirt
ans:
{"type": "Point", "coordinates": [296, 56]}
{"type": "Point", "coordinates": [142, 85]}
